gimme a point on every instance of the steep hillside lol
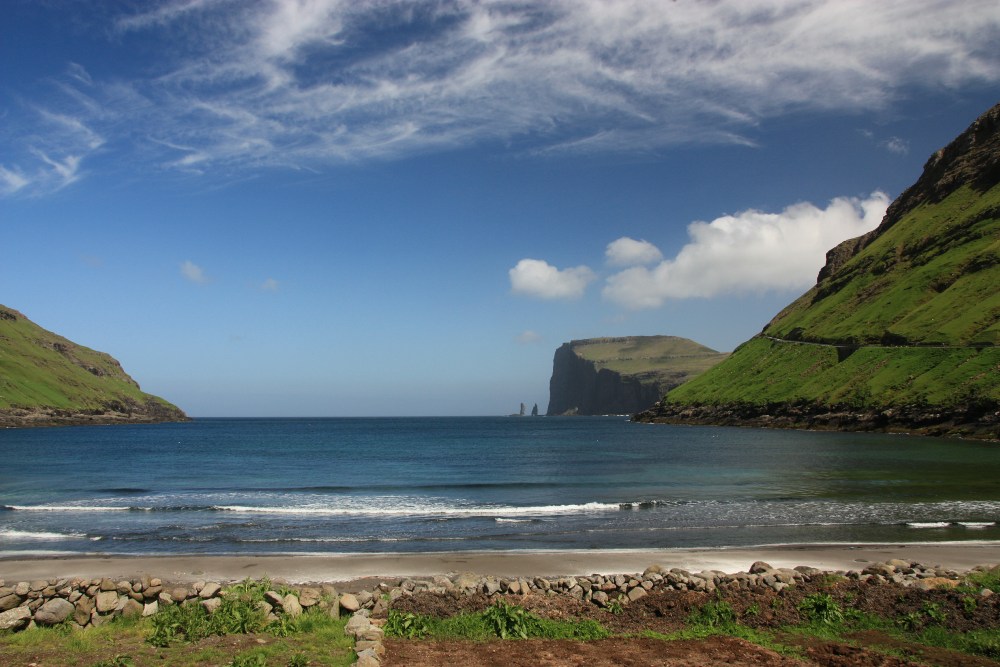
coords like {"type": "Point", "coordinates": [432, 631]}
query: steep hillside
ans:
{"type": "Point", "coordinates": [47, 380]}
{"type": "Point", "coordinates": [901, 331]}
{"type": "Point", "coordinates": [601, 376]}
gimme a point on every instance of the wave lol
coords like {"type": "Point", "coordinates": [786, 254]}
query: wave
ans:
{"type": "Point", "coordinates": [928, 524]}
{"type": "Point", "coordinates": [426, 510]}
{"type": "Point", "coordinates": [10, 534]}
{"type": "Point", "coordinates": [977, 524]}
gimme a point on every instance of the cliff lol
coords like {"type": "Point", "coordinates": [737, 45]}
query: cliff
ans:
{"type": "Point", "coordinates": [901, 330]}
{"type": "Point", "coordinates": [601, 376]}
{"type": "Point", "coordinates": [47, 380]}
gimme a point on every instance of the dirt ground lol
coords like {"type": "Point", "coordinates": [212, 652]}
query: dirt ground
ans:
{"type": "Point", "coordinates": [669, 611]}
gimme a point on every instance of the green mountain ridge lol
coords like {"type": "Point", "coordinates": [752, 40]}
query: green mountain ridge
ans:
{"type": "Point", "coordinates": [47, 380]}
{"type": "Point", "coordinates": [901, 331]}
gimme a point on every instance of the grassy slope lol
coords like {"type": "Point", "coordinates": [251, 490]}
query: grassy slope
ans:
{"type": "Point", "coordinates": [648, 354]}
{"type": "Point", "coordinates": [39, 369]}
{"type": "Point", "coordinates": [930, 279]}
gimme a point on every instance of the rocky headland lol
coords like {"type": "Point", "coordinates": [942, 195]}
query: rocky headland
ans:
{"type": "Point", "coordinates": [48, 380]}
{"type": "Point", "coordinates": [615, 376]}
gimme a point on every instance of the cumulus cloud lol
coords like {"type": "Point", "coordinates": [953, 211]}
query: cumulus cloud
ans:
{"type": "Point", "coordinates": [538, 278]}
{"type": "Point", "coordinates": [307, 83]}
{"type": "Point", "coordinates": [629, 252]}
{"type": "Point", "coordinates": [193, 272]}
{"type": "Point", "coordinates": [751, 251]}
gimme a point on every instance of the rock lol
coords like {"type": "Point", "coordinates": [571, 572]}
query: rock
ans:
{"type": "Point", "coordinates": [54, 611]}
{"type": "Point", "coordinates": [38, 586]}
{"type": "Point", "coordinates": [273, 598]}
{"type": "Point", "coordinates": [106, 601]}
{"type": "Point", "coordinates": [349, 603]}
{"type": "Point", "coordinates": [466, 580]}
{"type": "Point", "coordinates": [636, 593]}
{"type": "Point", "coordinates": [986, 593]}
{"type": "Point", "coordinates": [211, 605]}
{"type": "Point", "coordinates": [9, 601]}
{"type": "Point", "coordinates": [600, 598]}
{"type": "Point", "coordinates": [357, 625]}
{"type": "Point", "coordinates": [165, 598]}
{"type": "Point", "coordinates": [84, 609]}
{"type": "Point", "coordinates": [150, 608]}
{"type": "Point", "coordinates": [15, 619]}
{"type": "Point", "coordinates": [760, 567]}
{"type": "Point", "coordinates": [132, 608]}
{"type": "Point", "coordinates": [367, 658]}
{"type": "Point", "coordinates": [124, 587]}
{"type": "Point", "coordinates": [490, 587]}
{"type": "Point", "coordinates": [209, 590]}
{"type": "Point", "coordinates": [179, 594]}
{"type": "Point", "coordinates": [22, 588]}
{"type": "Point", "coordinates": [152, 592]}
{"type": "Point", "coordinates": [291, 605]}
{"type": "Point", "coordinates": [364, 598]}
{"type": "Point", "coordinates": [309, 597]}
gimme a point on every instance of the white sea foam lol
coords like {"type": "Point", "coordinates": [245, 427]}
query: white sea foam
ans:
{"type": "Point", "coordinates": [73, 508]}
{"type": "Point", "coordinates": [425, 510]}
{"type": "Point", "coordinates": [928, 524]}
{"type": "Point", "coordinates": [10, 534]}
{"type": "Point", "coordinates": [977, 524]}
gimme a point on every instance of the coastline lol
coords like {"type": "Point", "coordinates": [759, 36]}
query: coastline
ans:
{"type": "Point", "coordinates": [308, 568]}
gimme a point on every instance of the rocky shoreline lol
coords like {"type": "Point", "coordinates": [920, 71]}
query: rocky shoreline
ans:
{"type": "Point", "coordinates": [85, 602]}
{"type": "Point", "coordinates": [981, 422]}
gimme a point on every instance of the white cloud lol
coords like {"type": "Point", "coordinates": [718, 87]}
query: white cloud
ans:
{"type": "Point", "coordinates": [269, 285]}
{"type": "Point", "coordinates": [538, 278]}
{"type": "Point", "coordinates": [193, 272]}
{"type": "Point", "coordinates": [528, 337]}
{"type": "Point", "coordinates": [11, 181]}
{"type": "Point", "coordinates": [751, 251]}
{"type": "Point", "coordinates": [896, 145]}
{"type": "Point", "coordinates": [305, 83]}
{"type": "Point", "coordinates": [629, 252]}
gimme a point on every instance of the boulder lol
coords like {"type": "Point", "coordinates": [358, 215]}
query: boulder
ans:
{"type": "Point", "coordinates": [9, 601]}
{"type": "Point", "coordinates": [209, 590]}
{"type": "Point", "coordinates": [291, 605]}
{"type": "Point", "coordinates": [106, 601]}
{"type": "Point", "coordinates": [211, 605]}
{"type": "Point", "coordinates": [349, 603]}
{"type": "Point", "coordinates": [54, 612]}
{"type": "Point", "coordinates": [760, 567]}
{"type": "Point", "coordinates": [15, 619]}
{"type": "Point", "coordinates": [132, 608]}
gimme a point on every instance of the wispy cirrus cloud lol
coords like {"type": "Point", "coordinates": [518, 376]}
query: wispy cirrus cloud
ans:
{"type": "Point", "coordinates": [308, 83]}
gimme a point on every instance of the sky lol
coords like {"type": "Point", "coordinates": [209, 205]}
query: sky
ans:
{"type": "Point", "coordinates": [382, 208]}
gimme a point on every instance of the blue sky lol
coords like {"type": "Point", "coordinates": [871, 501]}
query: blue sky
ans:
{"type": "Point", "coordinates": [316, 207]}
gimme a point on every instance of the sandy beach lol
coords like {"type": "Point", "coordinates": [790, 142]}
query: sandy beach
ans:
{"type": "Point", "coordinates": [958, 556]}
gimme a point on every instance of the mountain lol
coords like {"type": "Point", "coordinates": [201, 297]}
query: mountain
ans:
{"type": "Point", "coordinates": [899, 333]}
{"type": "Point", "coordinates": [601, 376]}
{"type": "Point", "coordinates": [47, 380]}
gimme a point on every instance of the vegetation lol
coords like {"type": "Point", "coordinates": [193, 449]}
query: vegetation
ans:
{"type": "Point", "coordinates": [237, 634]}
{"type": "Point", "coordinates": [912, 319]}
{"type": "Point", "coordinates": [41, 370]}
{"type": "Point", "coordinates": [648, 355]}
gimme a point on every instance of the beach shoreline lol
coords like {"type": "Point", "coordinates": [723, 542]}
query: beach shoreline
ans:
{"type": "Point", "coordinates": [344, 568]}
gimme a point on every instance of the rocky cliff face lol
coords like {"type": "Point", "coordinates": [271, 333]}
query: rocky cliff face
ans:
{"type": "Point", "coordinates": [47, 380]}
{"type": "Point", "coordinates": [901, 331]}
{"type": "Point", "coordinates": [602, 376]}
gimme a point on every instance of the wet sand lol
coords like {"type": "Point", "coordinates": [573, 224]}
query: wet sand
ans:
{"type": "Point", "coordinates": [958, 556]}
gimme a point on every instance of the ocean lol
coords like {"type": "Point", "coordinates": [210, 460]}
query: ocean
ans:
{"type": "Point", "coordinates": [288, 486]}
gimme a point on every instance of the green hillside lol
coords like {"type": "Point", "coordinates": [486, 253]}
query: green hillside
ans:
{"type": "Point", "coordinates": [46, 379]}
{"type": "Point", "coordinates": [902, 328]}
{"type": "Point", "coordinates": [636, 355]}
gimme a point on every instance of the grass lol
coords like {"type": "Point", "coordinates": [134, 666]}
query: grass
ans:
{"type": "Point", "coordinates": [236, 634]}
{"type": "Point", "coordinates": [501, 619]}
{"type": "Point", "coordinates": [39, 369]}
{"type": "Point", "coordinates": [930, 279]}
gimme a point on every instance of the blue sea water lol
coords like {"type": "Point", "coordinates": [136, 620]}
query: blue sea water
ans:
{"type": "Point", "coordinates": [443, 484]}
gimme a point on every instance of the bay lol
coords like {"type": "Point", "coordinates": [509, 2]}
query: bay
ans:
{"type": "Point", "coordinates": [241, 486]}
